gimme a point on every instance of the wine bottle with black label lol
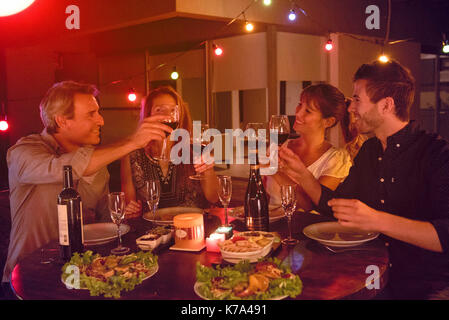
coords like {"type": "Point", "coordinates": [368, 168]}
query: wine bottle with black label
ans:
{"type": "Point", "coordinates": [70, 218]}
{"type": "Point", "coordinates": [256, 201]}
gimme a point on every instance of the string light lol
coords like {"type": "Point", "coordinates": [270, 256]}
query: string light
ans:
{"type": "Point", "coordinates": [292, 15]}
{"type": "Point", "coordinates": [383, 58]}
{"type": "Point", "coordinates": [174, 75]}
{"type": "Point", "coordinates": [445, 48]}
{"type": "Point", "coordinates": [4, 120]}
{"type": "Point", "coordinates": [132, 96]}
{"type": "Point", "coordinates": [4, 125]}
{"type": "Point", "coordinates": [217, 50]}
{"type": "Point", "coordinates": [329, 45]}
{"type": "Point", "coordinates": [249, 26]}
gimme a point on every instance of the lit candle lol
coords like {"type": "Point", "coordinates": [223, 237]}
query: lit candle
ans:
{"type": "Point", "coordinates": [213, 241]}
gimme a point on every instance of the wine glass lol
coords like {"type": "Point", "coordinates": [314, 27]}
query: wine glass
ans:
{"type": "Point", "coordinates": [254, 138]}
{"type": "Point", "coordinates": [281, 124]}
{"type": "Point", "coordinates": [152, 194]}
{"type": "Point", "coordinates": [224, 193]}
{"type": "Point", "coordinates": [172, 112]}
{"type": "Point", "coordinates": [288, 198]}
{"type": "Point", "coordinates": [116, 204]}
{"type": "Point", "coordinates": [201, 140]}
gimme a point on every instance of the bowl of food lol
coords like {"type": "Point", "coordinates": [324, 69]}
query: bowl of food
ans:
{"type": "Point", "coordinates": [148, 241]}
{"type": "Point", "coordinates": [164, 231]}
{"type": "Point", "coordinates": [246, 246]}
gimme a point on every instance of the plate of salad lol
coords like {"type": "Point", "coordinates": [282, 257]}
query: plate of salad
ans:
{"type": "Point", "coordinates": [108, 275]}
{"type": "Point", "coordinates": [268, 279]}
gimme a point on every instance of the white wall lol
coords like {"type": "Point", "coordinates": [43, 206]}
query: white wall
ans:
{"type": "Point", "coordinates": [301, 57]}
{"type": "Point", "coordinates": [242, 65]}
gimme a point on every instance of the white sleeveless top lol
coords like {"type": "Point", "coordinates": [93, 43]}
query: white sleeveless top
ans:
{"type": "Point", "coordinates": [333, 163]}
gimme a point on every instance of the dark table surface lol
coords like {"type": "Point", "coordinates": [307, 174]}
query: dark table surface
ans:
{"type": "Point", "coordinates": [325, 275]}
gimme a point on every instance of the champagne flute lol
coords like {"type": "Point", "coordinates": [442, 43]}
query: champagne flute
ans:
{"type": "Point", "coordinates": [282, 125]}
{"type": "Point", "coordinates": [224, 193]}
{"type": "Point", "coordinates": [288, 198]}
{"type": "Point", "coordinates": [203, 142]}
{"type": "Point", "coordinates": [152, 194]}
{"type": "Point", "coordinates": [254, 139]}
{"type": "Point", "coordinates": [172, 111]}
{"type": "Point", "coordinates": [116, 204]}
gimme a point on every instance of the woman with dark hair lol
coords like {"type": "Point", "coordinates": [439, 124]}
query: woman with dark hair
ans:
{"type": "Point", "coordinates": [176, 187]}
{"type": "Point", "coordinates": [320, 108]}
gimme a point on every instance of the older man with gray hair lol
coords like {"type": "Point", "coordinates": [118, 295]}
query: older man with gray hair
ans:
{"type": "Point", "coordinates": [70, 114]}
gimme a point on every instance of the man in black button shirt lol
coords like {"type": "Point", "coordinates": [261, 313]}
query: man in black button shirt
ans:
{"type": "Point", "coordinates": [398, 185]}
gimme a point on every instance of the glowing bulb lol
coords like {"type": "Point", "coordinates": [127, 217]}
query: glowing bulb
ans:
{"type": "Point", "coordinates": [174, 75]}
{"type": "Point", "coordinates": [218, 51]}
{"type": "Point", "coordinates": [292, 15]}
{"type": "Point", "coordinates": [4, 125]}
{"type": "Point", "coordinates": [383, 58]}
{"type": "Point", "coordinates": [267, 2]}
{"type": "Point", "coordinates": [329, 46]}
{"type": "Point", "coordinates": [446, 46]}
{"type": "Point", "coordinates": [8, 8]}
{"type": "Point", "coordinates": [249, 26]}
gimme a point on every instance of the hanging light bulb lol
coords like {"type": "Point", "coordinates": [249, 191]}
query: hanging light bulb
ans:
{"type": "Point", "coordinates": [383, 58]}
{"type": "Point", "coordinates": [292, 15]}
{"type": "Point", "coordinates": [445, 48]}
{"type": "Point", "coordinates": [3, 119]}
{"type": "Point", "coordinates": [217, 50]}
{"type": "Point", "coordinates": [174, 75]}
{"type": "Point", "coordinates": [132, 96]}
{"type": "Point", "coordinates": [249, 26]}
{"type": "Point", "coordinates": [267, 2]}
{"type": "Point", "coordinates": [329, 45]}
{"type": "Point", "coordinates": [4, 125]}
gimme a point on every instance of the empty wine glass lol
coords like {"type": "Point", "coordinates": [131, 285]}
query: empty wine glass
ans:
{"type": "Point", "coordinates": [281, 124]}
{"type": "Point", "coordinates": [288, 198]}
{"type": "Point", "coordinates": [152, 194]}
{"type": "Point", "coordinates": [224, 193]}
{"type": "Point", "coordinates": [116, 204]}
{"type": "Point", "coordinates": [172, 112]}
{"type": "Point", "coordinates": [201, 140]}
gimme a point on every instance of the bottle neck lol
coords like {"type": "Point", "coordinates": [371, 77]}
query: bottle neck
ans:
{"type": "Point", "coordinates": [68, 179]}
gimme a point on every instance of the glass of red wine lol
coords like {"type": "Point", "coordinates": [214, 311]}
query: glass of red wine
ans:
{"type": "Point", "coordinates": [202, 141]}
{"type": "Point", "coordinates": [281, 124]}
{"type": "Point", "coordinates": [172, 111]}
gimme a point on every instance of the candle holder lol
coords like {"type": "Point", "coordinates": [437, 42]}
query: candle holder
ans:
{"type": "Point", "coordinates": [226, 230]}
{"type": "Point", "coordinates": [212, 243]}
{"type": "Point", "coordinates": [189, 232]}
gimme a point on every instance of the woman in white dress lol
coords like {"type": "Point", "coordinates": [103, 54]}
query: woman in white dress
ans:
{"type": "Point", "coordinates": [320, 108]}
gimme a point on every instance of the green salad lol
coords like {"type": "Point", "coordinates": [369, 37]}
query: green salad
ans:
{"type": "Point", "coordinates": [108, 275]}
{"type": "Point", "coordinates": [267, 279]}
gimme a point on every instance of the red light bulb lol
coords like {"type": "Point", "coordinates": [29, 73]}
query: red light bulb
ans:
{"type": "Point", "coordinates": [4, 125]}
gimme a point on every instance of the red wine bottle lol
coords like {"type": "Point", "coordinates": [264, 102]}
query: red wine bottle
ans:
{"type": "Point", "coordinates": [70, 218]}
{"type": "Point", "coordinates": [256, 201]}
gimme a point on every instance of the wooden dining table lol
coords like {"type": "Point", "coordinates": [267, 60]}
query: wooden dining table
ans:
{"type": "Point", "coordinates": [325, 275]}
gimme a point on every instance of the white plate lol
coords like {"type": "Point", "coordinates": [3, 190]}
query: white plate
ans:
{"type": "Point", "coordinates": [153, 271]}
{"type": "Point", "coordinates": [165, 215]}
{"type": "Point", "coordinates": [101, 233]}
{"type": "Point", "coordinates": [335, 235]}
{"type": "Point", "coordinates": [199, 284]}
{"type": "Point", "coordinates": [276, 213]}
